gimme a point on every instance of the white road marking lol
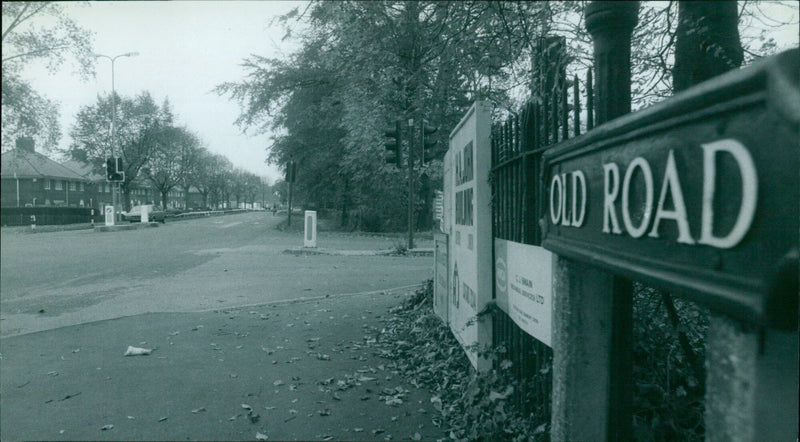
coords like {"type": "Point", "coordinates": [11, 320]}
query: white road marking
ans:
{"type": "Point", "coordinates": [230, 225]}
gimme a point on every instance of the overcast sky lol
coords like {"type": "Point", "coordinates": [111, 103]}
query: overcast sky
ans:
{"type": "Point", "coordinates": [185, 49]}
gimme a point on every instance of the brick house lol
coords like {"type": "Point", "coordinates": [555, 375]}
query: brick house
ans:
{"type": "Point", "coordinates": [99, 188]}
{"type": "Point", "coordinates": [30, 179]}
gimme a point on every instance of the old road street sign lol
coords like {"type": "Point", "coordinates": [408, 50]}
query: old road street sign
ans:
{"type": "Point", "coordinates": [698, 194]}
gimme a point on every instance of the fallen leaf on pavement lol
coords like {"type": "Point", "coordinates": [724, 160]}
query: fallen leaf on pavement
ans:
{"type": "Point", "coordinates": [106, 427]}
{"type": "Point", "coordinates": [261, 436]}
{"type": "Point", "coordinates": [198, 410]}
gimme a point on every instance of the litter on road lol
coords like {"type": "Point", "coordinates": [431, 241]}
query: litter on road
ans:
{"type": "Point", "coordinates": [137, 351]}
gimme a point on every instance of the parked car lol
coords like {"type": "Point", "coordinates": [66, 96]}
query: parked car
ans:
{"type": "Point", "coordinates": [155, 214]}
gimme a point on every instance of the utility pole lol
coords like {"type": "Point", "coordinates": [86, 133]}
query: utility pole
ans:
{"type": "Point", "coordinates": [291, 172]}
{"type": "Point", "coordinates": [115, 187]}
{"type": "Point", "coordinates": [411, 184]}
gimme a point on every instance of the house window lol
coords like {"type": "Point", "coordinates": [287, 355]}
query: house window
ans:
{"type": "Point", "coordinates": [73, 185]}
{"type": "Point", "coordinates": [59, 185]}
{"type": "Point", "coordinates": [83, 189]}
{"type": "Point", "coordinates": [47, 184]}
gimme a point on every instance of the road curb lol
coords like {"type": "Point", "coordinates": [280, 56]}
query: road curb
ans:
{"type": "Point", "coordinates": [132, 226]}
{"type": "Point", "coordinates": [312, 298]}
{"type": "Point", "coordinates": [303, 251]}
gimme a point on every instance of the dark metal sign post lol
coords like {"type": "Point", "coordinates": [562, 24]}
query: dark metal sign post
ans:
{"type": "Point", "coordinates": [697, 195]}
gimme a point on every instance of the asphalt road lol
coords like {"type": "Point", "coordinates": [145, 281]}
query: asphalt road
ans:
{"type": "Point", "coordinates": [57, 279]}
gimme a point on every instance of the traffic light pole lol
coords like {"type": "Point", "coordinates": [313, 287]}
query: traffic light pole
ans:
{"type": "Point", "coordinates": [410, 185]}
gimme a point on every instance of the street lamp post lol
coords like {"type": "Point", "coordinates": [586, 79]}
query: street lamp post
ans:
{"type": "Point", "coordinates": [115, 188]}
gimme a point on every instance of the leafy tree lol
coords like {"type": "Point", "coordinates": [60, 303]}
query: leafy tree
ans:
{"type": "Point", "coordinates": [190, 158]}
{"type": "Point", "coordinates": [200, 176]}
{"type": "Point", "coordinates": [171, 160]}
{"type": "Point", "coordinates": [219, 170]}
{"type": "Point", "coordinates": [37, 32]}
{"type": "Point", "coordinates": [363, 65]}
{"type": "Point", "coordinates": [140, 127]}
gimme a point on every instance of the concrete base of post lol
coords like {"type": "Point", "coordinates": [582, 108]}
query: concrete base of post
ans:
{"type": "Point", "coordinates": [592, 313]}
{"type": "Point", "coordinates": [752, 382]}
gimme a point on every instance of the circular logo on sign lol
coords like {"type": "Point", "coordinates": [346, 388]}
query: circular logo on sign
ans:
{"type": "Point", "coordinates": [501, 276]}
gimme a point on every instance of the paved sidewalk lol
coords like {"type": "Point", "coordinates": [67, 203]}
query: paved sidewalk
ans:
{"type": "Point", "coordinates": [290, 371]}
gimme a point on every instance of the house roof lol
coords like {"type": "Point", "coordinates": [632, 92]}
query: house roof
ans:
{"type": "Point", "coordinates": [22, 163]}
{"type": "Point", "coordinates": [84, 169]}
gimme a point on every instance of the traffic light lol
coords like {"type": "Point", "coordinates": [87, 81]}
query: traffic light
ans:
{"type": "Point", "coordinates": [111, 169]}
{"type": "Point", "coordinates": [114, 170]}
{"type": "Point", "coordinates": [393, 144]}
{"type": "Point", "coordinates": [428, 142]}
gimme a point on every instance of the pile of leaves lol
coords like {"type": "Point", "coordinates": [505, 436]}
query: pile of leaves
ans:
{"type": "Point", "coordinates": [669, 336]}
{"type": "Point", "coordinates": [421, 348]}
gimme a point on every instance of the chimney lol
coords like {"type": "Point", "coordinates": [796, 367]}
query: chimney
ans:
{"type": "Point", "coordinates": [25, 143]}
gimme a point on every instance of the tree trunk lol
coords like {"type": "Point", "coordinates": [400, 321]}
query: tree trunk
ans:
{"type": "Point", "coordinates": [707, 42]}
{"type": "Point", "coordinates": [126, 204]}
{"type": "Point", "coordinates": [164, 196]}
{"type": "Point", "coordinates": [345, 203]}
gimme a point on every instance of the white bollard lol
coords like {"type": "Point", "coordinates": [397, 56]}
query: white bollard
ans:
{"type": "Point", "coordinates": [109, 215]}
{"type": "Point", "coordinates": [145, 214]}
{"type": "Point", "coordinates": [310, 239]}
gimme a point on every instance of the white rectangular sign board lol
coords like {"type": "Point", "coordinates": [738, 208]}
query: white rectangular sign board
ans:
{"type": "Point", "coordinates": [524, 286]}
{"type": "Point", "coordinates": [468, 200]}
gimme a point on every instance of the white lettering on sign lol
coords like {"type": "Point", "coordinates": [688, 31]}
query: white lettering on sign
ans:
{"type": "Point", "coordinates": [574, 188]}
{"type": "Point", "coordinates": [747, 210]}
{"type": "Point", "coordinates": [558, 210]}
{"type": "Point", "coordinates": [610, 180]}
{"type": "Point", "coordinates": [672, 184]}
{"type": "Point", "coordinates": [648, 189]}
